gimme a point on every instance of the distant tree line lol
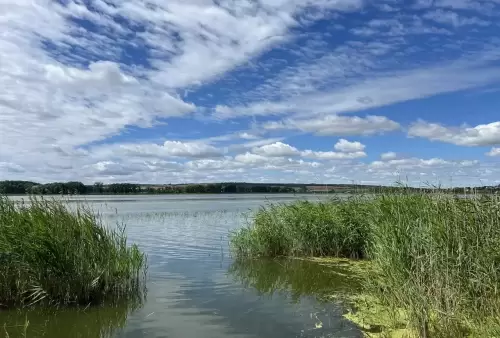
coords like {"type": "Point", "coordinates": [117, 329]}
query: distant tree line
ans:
{"type": "Point", "coordinates": [78, 188]}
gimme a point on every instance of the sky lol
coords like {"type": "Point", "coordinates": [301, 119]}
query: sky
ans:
{"type": "Point", "coordinates": [295, 91]}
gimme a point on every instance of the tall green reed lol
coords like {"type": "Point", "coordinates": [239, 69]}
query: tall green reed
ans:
{"type": "Point", "coordinates": [334, 228]}
{"type": "Point", "coordinates": [52, 255]}
{"type": "Point", "coordinates": [438, 258]}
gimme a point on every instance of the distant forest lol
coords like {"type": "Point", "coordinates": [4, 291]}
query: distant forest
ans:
{"type": "Point", "coordinates": [78, 188]}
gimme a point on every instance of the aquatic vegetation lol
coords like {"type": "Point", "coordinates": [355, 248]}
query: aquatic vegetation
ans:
{"type": "Point", "coordinates": [334, 228]}
{"type": "Point", "coordinates": [53, 255]}
{"type": "Point", "coordinates": [438, 258]}
{"type": "Point", "coordinates": [435, 258]}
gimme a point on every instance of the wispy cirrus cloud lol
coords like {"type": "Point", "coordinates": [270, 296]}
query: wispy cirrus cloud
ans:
{"type": "Point", "coordinates": [373, 93]}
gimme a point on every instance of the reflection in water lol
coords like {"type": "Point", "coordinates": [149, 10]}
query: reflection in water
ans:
{"type": "Point", "coordinates": [296, 277]}
{"type": "Point", "coordinates": [99, 321]}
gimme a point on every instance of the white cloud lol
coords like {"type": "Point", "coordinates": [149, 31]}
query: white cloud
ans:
{"type": "Point", "coordinates": [276, 152]}
{"type": "Point", "coordinates": [480, 135]}
{"type": "Point", "coordinates": [485, 8]}
{"type": "Point", "coordinates": [346, 151]}
{"type": "Point", "coordinates": [277, 149]}
{"type": "Point", "coordinates": [112, 168]}
{"type": "Point", "coordinates": [252, 159]}
{"type": "Point", "coordinates": [454, 19]}
{"type": "Point", "coordinates": [494, 152]}
{"type": "Point", "coordinates": [102, 73]}
{"type": "Point", "coordinates": [332, 155]}
{"type": "Point", "coordinates": [413, 163]}
{"type": "Point", "coordinates": [376, 91]}
{"type": "Point", "coordinates": [248, 136]}
{"type": "Point", "coordinates": [335, 125]}
{"type": "Point", "coordinates": [66, 85]}
{"type": "Point", "coordinates": [254, 144]}
{"type": "Point", "coordinates": [409, 163]}
{"type": "Point", "coordinates": [169, 149]}
{"type": "Point", "coordinates": [221, 37]}
{"type": "Point", "coordinates": [349, 147]}
{"type": "Point", "coordinates": [249, 161]}
{"type": "Point", "coordinates": [388, 156]}
{"type": "Point", "coordinates": [190, 149]}
{"type": "Point", "coordinates": [47, 104]}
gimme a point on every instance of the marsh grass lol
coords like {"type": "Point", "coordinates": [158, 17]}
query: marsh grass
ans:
{"type": "Point", "coordinates": [438, 258]}
{"type": "Point", "coordinates": [334, 228]}
{"type": "Point", "coordinates": [52, 255]}
{"type": "Point", "coordinates": [435, 258]}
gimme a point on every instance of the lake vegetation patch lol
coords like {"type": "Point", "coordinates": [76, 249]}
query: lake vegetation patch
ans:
{"type": "Point", "coordinates": [53, 255]}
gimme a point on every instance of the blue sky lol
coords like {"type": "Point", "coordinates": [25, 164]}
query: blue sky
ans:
{"type": "Point", "coordinates": [325, 91]}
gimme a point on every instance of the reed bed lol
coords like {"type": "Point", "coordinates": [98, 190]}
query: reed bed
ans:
{"type": "Point", "coordinates": [53, 255]}
{"type": "Point", "coordinates": [334, 228]}
{"type": "Point", "coordinates": [436, 258]}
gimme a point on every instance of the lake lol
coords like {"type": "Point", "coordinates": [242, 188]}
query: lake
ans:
{"type": "Point", "coordinates": [195, 289]}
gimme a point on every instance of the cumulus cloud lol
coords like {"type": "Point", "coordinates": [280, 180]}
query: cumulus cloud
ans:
{"type": "Point", "coordinates": [254, 161]}
{"type": "Point", "coordinates": [480, 135]}
{"type": "Point", "coordinates": [349, 147]}
{"type": "Point", "coordinates": [332, 155]}
{"type": "Point", "coordinates": [335, 125]}
{"type": "Point", "coordinates": [276, 149]}
{"type": "Point", "coordinates": [494, 152]}
{"type": "Point", "coordinates": [249, 158]}
{"type": "Point", "coordinates": [190, 149]}
{"type": "Point", "coordinates": [346, 151]}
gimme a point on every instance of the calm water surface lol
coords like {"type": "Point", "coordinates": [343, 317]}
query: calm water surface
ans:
{"type": "Point", "coordinates": [195, 289]}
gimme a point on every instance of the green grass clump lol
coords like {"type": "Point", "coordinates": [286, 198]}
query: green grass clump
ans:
{"type": "Point", "coordinates": [435, 258]}
{"type": "Point", "coordinates": [52, 255]}
{"type": "Point", "coordinates": [333, 228]}
{"type": "Point", "coordinates": [438, 258]}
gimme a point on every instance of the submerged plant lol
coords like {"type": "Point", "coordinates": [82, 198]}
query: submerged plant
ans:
{"type": "Point", "coordinates": [50, 254]}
